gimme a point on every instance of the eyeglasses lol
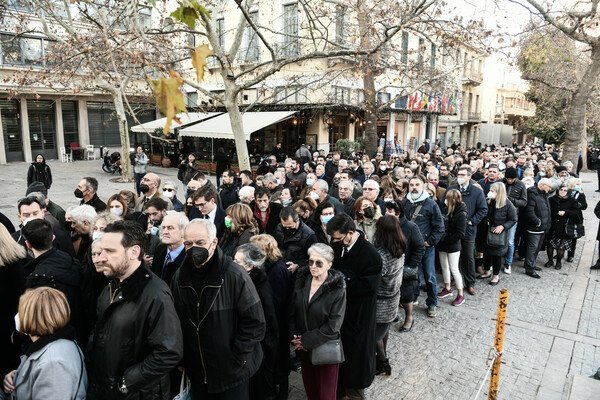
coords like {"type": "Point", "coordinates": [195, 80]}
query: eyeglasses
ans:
{"type": "Point", "coordinates": [200, 205]}
{"type": "Point", "coordinates": [368, 189]}
{"type": "Point", "coordinates": [318, 264]}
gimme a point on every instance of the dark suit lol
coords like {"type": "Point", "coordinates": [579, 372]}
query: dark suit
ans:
{"type": "Point", "coordinates": [219, 219]}
{"type": "Point", "coordinates": [159, 260]}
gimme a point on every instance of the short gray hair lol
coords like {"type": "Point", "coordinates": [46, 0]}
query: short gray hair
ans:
{"type": "Point", "coordinates": [252, 255]}
{"type": "Point", "coordinates": [83, 213]}
{"type": "Point", "coordinates": [324, 250]}
{"type": "Point", "coordinates": [208, 225]}
{"type": "Point", "coordinates": [321, 185]}
{"type": "Point", "coordinates": [269, 178]}
{"type": "Point", "coordinates": [41, 198]}
{"type": "Point", "coordinates": [171, 183]}
{"type": "Point", "coordinates": [369, 164]}
{"type": "Point", "coordinates": [371, 181]}
{"type": "Point", "coordinates": [246, 191]}
{"type": "Point", "coordinates": [182, 220]}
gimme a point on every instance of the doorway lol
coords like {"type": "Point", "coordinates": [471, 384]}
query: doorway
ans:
{"type": "Point", "coordinates": [42, 128]}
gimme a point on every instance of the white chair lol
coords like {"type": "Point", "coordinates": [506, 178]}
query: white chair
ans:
{"type": "Point", "coordinates": [64, 156]}
{"type": "Point", "coordinates": [89, 149]}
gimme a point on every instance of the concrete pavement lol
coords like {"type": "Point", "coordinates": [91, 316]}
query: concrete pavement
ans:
{"type": "Point", "coordinates": [551, 344]}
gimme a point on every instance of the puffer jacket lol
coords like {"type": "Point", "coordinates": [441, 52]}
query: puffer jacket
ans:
{"type": "Point", "coordinates": [505, 216]}
{"type": "Point", "coordinates": [537, 213]}
{"type": "Point", "coordinates": [516, 193]}
{"type": "Point", "coordinates": [137, 338]}
{"type": "Point", "coordinates": [321, 318]}
{"type": "Point", "coordinates": [571, 208]}
{"type": "Point", "coordinates": [388, 294]}
{"type": "Point", "coordinates": [222, 321]}
{"type": "Point", "coordinates": [295, 247]}
{"type": "Point", "coordinates": [456, 225]}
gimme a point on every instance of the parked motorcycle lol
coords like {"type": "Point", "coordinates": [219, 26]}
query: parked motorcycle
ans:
{"type": "Point", "coordinates": [112, 162]}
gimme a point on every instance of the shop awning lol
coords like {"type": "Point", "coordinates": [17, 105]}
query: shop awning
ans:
{"type": "Point", "coordinates": [186, 119]}
{"type": "Point", "coordinates": [220, 127]}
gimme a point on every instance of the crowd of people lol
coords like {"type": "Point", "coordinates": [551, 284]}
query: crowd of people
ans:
{"type": "Point", "coordinates": [304, 264]}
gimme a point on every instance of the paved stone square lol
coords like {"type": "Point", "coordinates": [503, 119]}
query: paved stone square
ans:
{"type": "Point", "coordinates": [551, 342]}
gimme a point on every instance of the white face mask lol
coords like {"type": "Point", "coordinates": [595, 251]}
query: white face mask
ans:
{"type": "Point", "coordinates": [17, 322]}
{"type": "Point", "coordinates": [314, 196]}
{"type": "Point", "coordinates": [413, 167]}
{"type": "Point", "coordinates": [388, 200]}
{"type": "Point", "coordinates": [117, 211]}
{"type": "Point", "coordinates": [446, 203]}
{"type": "Point", "coordinates": [491, 195]}
{"type": "Point", "coordinates": [97, 235]}
{"type": "Point", "coordinates": [28, 220]}
{"type": "Point", "coordinates": [461, 181]}
{"type": "Point", "coordinates": [169, 194]}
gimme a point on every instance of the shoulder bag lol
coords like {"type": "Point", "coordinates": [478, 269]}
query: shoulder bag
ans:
{"type": "Point", "coordinates": [496, 239]}
{"type": "Point", "coordinates": [330, 352]}
{"type": "Point", "coordinates": [573, 229]}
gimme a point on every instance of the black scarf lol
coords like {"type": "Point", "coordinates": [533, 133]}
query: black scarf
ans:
{"type": "Point", "coordinates": [66, 332]}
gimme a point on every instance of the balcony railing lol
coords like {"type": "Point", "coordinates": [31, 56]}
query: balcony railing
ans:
{"type": "Point", "coordinates": [471, 77]}
{"type": "Point", "coordinates": [468, 116]}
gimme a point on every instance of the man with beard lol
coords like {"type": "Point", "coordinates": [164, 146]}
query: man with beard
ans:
{"type": "Point", "coordinates": [294, 238]}
{"type": "Point", "coordinates": [137, 340]}
{"type": "Point", "coordinates": [266, 213]}
{"type": "Point", "coordinates": [424, 212]}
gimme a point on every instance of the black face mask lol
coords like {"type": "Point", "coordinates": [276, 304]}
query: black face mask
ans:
{"type": "Point", "coordinates": [198, 255]}
{"type": "Point", "coordinates": [289, 231]}
{"type": "Point", "coordinates": [69, 227]}
{"type": "Point", "coordinates": [144, 188]}
{"type": "Point", "coordinates": [78, 193]}
{"type": "Point", "coordinates": [190, 192]}
{"type": "Point", "coordinates": [369, 212]}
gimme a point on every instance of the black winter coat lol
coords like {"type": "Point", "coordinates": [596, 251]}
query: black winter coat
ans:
{"type": "Point", "coordinates": [415, 245]}
{"type": "Point", "coordinates": [58, 270]}
{"type": "Point", "coordinates": [272, 221]}
{"type": "Point", "coordinates": [580, 197]}
{"type": "Point", "coordinates": [321, 318]}
{"type": "Point", "coordinates": [137, 337]}
{"type": "Point", "coordinates": [505, 216]}
{"type": "Point", "coordinates": [263, 383]}
{"type": "Point", "coordinates": [229, 195]}
{"type": "Point", "coordinates": [61, 241]}
{"type": "Point", "coordinates": [95, 202]}
{"type": "Point", "coordinates": [12, 285]}
{"type": "Point", "coordinates": [474, 199]}
{"type": "Point", "coordinates": [571, 208]}
{"type": "Point", "coordinates": [222, 321]}
{"type": "Point", "coordinates": [537, 213]}
{"type": "Point", "coordinates": [456, 225]}
{"type": "Point", "coordinates": [39, 173]}
{"type": "Point", "coordinates": [362, 268]}
{"type": "Point", "coordinates": [231, 241]}
{"type": "Point", "coordinates": [516, 193]}
{"type": "Point", "coordinates": [295, 247]}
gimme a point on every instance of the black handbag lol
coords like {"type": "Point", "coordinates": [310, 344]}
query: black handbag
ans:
{"type": "Point", "coordinates": [409, 273]}
{"type": "Point", "coordinates": [330, 352]}
{"type": "Point", "coordinates": [573, 229]}
{"type": "Point", "coordinates": [496, 239]}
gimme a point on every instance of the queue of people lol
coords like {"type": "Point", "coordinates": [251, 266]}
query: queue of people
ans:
{"type": "Point", "coordinates": [218, 287]}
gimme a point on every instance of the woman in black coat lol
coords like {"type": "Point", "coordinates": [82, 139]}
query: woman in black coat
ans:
{"type": "Point", "coordinates": [263, 384]}
{"type": "Point", "coordinates": [562, 208]}
{"type": "Point", "coordinates": [449, 245]}
{"type": "Point", "coordinates": [39, 171]}
{"type": "Point", "coordinates": [574, 185]}
{"type": "Point", "coordinates": [13, 258]}
{"type": "Point", "coordinates": [502, 215]}
{"type": "Point", "coordinates": [317, 314]}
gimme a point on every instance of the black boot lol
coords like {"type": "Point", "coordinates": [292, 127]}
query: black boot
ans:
{"type": "Point", "coordinates": [384, 367]}
{"type": "Point", "coordinates": [558, 265]}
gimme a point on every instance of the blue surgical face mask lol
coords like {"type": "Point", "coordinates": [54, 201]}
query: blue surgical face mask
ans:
{"type": "Point", "coordinates": [577, 188]}
{"type": "Point", "coordinates": [154, 231]}
{"type": "Point", "coordinates": [326, 219]}
{"type": "Point", "coordinates": [309, 182]}
{"type": "Point", "coordinates": [279, 181]}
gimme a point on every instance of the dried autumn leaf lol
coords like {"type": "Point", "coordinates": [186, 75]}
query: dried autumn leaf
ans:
{"type": "Point", "coordinates": [169, 98]}
{"type": "Point", "coordinates": [199, 60]}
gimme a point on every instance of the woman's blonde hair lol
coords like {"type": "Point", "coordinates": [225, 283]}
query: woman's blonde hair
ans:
{"type": "Point", "coordinates": [43, 311]}
{"type": "Point", "coordinates": [454, 198]}
{"type": "Point", "coordinates": [10, 250]}
{"type": "Point", "coordinates": [241, 218]}
{"type": "Point", "coordinates": [500, 190]}
{"type": "Point", "coordinates": [268, 245]}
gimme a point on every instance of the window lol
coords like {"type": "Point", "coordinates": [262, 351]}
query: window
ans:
{"type": "Point", "coordinates": [290, 46]}
{"type": "Point", "coordinates": [360, 97]}
{"type": "Point", "coordinates": [433, 54]}
{"type": "Point", "coordinates": [192, 99]}
{"type": "Point", "coordinates": [290, 94]}
{"type": "Point", "coordinates": [404, 47]}
{"type": "Point", "coordinates": [220, 31]}
{"type": "Point", "coordinates": [383, 98]}
{"type": "Point", "coordinates": [28, 51]}
{"type": "Point", "coordinates": [339, 24]}
{"type": "Point", "coordinates": [252, 53]}
{"type": "Point", "coordinates": [21, 5]}
{"type": "Point", "coordinates": [420, 57]}
{"type": "Point", "coordinates": [341, 95]}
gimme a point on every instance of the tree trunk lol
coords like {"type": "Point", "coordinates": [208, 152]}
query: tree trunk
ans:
{"type": "Point", "coordinates": [126, 173]}
{"type": "Point", "coordinates": [576, 135]}
{"type": "Point", "coordinates": [236, 125]}
{"type": "Point", "coordinates": [371, 137]}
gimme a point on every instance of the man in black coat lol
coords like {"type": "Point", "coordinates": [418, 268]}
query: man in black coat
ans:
{"type": "Point", "coordinates": [137, 340]}
{"type": "Point", "coordinates": [517, 194]}
{"type": "Point", "coordinates": [294, 238]}
{"type": "Point", "coordinates": [170, 253]}
{"type": "Point", "coordinates": [538, 223]}
{"type": "Point", "coordinates": [229, 189]}
{"type": "Point", "coordinates": [87, 190]}
{"type": "Point", "coordinates": [223, 163]}
{"type": "Point", "coordinates": [30, 209]}
{"type": "Point", "coordinates": [53, 268]}
{"type": "Point", "coordinates": [361, 264]}
{"type": "Point", "coordinates": [221, 317]}
{"type": "Point", "coordinates": [205, 207]}
{"type": "Point", "coordinates": [265, 213]}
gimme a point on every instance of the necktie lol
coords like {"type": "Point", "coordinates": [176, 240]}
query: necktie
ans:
{"type": "Point", "coordinates": [167, 260]}
{"type": "Point", "coordinates": [344, 251]}
{"type": "Point", "coordinates": [462, 189]}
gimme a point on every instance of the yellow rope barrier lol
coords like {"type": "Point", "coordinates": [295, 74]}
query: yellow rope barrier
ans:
{"type": "Point", "coordinates": [499, 340]}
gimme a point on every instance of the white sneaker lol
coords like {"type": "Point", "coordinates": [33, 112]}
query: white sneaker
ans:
{"type": "Point", "coordinates": [507, 270]}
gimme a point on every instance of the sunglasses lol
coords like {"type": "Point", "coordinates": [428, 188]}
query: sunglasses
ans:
{"type": "Point", "coordinates": [319, 264]}
{"type": "Point", "coordinates": [168, 190]}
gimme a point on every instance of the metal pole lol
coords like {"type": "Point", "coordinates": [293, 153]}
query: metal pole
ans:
{"type": "Point", "coordinates": [498, 341]}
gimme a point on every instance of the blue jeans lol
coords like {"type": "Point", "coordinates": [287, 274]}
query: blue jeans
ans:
{"type": "Point", "coordinates": [138, 181]}
{"type": "Point", "coordinates": [508, 258]}
{"type": "Point", "coordinates": [427, 271]}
